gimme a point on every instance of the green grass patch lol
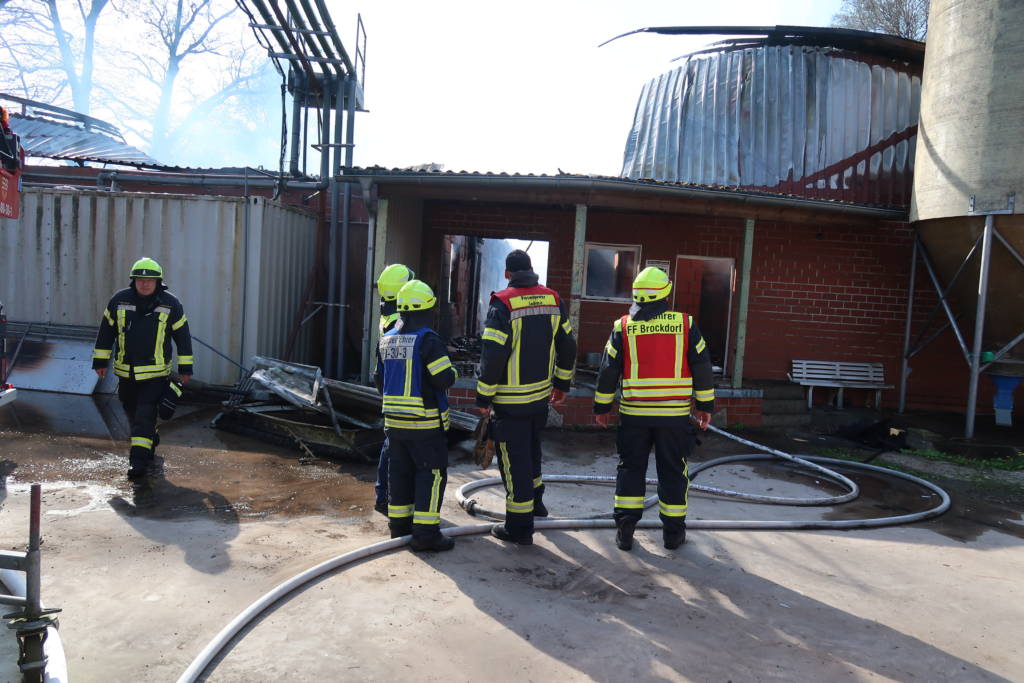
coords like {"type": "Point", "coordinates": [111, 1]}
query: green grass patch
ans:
{"type": "Point", "coordinates": [1013, 463]}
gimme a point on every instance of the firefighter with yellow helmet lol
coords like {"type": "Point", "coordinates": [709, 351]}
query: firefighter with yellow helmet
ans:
{"type": "Point", "coordinates": [391, 280]}
{"type": "Point", "coordinates": [413, 375]}
{"type": "Point", "coordinates": [136, 331]}
{"type": "Point", "coordinates": [662, 362]}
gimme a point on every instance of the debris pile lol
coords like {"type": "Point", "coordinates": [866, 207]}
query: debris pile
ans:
{"type": "Point", "coordinates": [295, 406]}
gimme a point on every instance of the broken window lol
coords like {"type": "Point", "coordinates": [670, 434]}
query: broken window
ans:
{"type": "Point", "coordinates": [610, 269]}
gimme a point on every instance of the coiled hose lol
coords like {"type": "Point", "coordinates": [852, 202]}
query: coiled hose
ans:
{"type": "Point", "coordinates": [220, 641]}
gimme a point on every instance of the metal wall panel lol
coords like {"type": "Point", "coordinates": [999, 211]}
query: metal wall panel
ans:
{"type": "Point", "coordinates": [808, 121]}
{"type": "Point", "coordinates": [72, 249]}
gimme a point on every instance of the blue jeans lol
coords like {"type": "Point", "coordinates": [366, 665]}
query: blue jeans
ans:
{"type": "Point", "coordinates": [381, 486]}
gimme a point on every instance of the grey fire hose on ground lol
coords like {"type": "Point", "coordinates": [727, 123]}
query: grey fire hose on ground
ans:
{"type": "Point", "coordinates": [220, 641]}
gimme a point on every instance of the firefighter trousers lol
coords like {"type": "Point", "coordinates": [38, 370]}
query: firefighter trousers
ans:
{"type": "Point", "coordinates": [380, 487]}
{"type": "Point", "coordinates": [417, 474]}
{"type": "Point", "coordinates": [517, 443]}
{"type": "Point", "coordinates": [672, 443]}
{"type": "Point", "coordinates": [140, 400]}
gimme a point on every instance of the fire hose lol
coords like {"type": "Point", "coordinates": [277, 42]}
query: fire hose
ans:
{"type": "Point", "coordinates": [812, 463]}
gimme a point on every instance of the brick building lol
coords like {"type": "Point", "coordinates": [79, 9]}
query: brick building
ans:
{"type": "Point", "coordinates": [827, 280]}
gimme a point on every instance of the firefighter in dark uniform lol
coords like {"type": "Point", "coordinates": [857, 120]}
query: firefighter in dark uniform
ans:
{"type": "Point", "coordinates": [413, 375]}
{"type": "Point", "coordinates": [143, 319]}
{"type": "Point", "coordinates": [663, 363]}
{"type": "Point", "coordinates": [390, 281]}
{"type": "Point", "coordinates": [528, 356]}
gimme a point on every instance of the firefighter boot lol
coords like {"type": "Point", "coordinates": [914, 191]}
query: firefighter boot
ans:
{"type": "Point", "coordinates": [539, 509]}
{"type": "Point", "coordinates": [400, 527]}
{"type": "Point", "coordinates": [431, 543]}
{"type": "Point", "coordinates": [500, 532]}
{"type": "Point", "coordinates": [624, 529]}
{"type": "Point", "coordinates": [674, 536]}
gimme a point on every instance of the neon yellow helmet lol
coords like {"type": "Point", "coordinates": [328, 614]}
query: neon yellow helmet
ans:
{"type": "Point", "coordinates": [147, 267]}
{"type": "Point", "coordinates": [391, 280]}
{"type": "Point", "coordinates": [651, 284]}
{"type": "Point", "coordinates": [416, 295]}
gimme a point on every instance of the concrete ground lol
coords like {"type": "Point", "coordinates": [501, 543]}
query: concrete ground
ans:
{"type": "Point", "coordinates": [147, 576]}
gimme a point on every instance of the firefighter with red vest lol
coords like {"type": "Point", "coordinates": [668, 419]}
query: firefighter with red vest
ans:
{"type": "Point", "coordinates": [391, 279]}
{"type": "Point", "coordinates": [143, 319]}
{"type": "Point", "coordinates": [528, 357]}
{"type": "Point", "coordinates": [413, 375]}
{"type": "Point", "coordinates": [665, 371]}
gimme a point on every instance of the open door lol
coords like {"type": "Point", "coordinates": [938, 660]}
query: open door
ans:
{"type": "Point", "coordinates": [703, 287]}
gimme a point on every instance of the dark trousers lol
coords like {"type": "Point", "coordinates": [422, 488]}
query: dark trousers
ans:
{"type": "Point", "coordinates": [672, 444]}
{"type": "Point", "coordinates": [140, 401]}
{"type": "Point", "coordinates": [417, 474]}
{"type": "Point", "coordinates": [517, 443]}
{"type": "Point", "coordinates": [381, 485]}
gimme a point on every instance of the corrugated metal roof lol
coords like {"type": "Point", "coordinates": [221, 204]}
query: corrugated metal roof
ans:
{"type": "Point", "coordinates": [44, 138]}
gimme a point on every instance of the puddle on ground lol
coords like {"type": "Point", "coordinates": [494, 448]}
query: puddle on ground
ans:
{"type": "Point", "coordinates": [44, 412]}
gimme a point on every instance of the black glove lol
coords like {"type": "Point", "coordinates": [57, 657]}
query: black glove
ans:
{"type": "Point", "coordinates": [169, 401]}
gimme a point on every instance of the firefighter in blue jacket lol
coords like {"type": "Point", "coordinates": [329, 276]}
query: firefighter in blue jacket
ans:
{"type": "Point", "coordinates": [143, 319]}
{"type": "Point", "coordinates": [413, 375]}
{"type": "Point", "coordinates": [391, 279]}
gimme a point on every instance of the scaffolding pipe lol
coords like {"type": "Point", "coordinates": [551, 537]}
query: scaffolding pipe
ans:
{"type": "Point", "coordinates": [979, 325]}
{"type": "Point", "coordinates": [905, 365]}
{"type": "Point", "coordinates": [366, 189]}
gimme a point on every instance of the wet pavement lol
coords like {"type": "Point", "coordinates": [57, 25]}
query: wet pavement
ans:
{"type": "Point", "coordinates": [164, 564]}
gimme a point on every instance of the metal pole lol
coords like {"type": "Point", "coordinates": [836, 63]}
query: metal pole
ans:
{"type": "Point", "coordinates": [332, 242]}
{"type": "Point", "coordinates": [298, 97]}
{"type": "Point", "coordinates": [371, 247]}
{"type": "Point", "coordinates": [942, 300]}
{"type": "Point", "coordinates": [979, 325]}
{"type": "Point", "coordinates": [744, 304]}
{"type": "Point", "coordinates": [905, 364]}
{"type": "Point", "coordinates": [350, 118]}
{"type": "Point", "coordinates": [33, 608]}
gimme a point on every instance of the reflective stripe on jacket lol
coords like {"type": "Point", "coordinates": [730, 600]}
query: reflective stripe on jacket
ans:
{"type": "Point", "coordinates": [141, 330]}
{"type": "Point", "coordinates": [528, 348]}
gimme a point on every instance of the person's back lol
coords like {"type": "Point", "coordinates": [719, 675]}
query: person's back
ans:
{"type": "Point", "coordinates": [528, 357]}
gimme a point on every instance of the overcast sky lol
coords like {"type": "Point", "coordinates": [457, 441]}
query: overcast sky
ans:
{"type": "Point", "coordinates": [522, 86]}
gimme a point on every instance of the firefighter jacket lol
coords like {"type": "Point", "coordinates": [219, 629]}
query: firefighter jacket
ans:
{"type": "Point", "coordinates": [413, 375]}
{"type": "Point", "coordinates": [388, 315]}
{"type": "Point", "coordinates": [143, 328]}
{"type": "Point", "coordinates": [663, 363]}
{"type": "Point", "coordinates": [528, 348]}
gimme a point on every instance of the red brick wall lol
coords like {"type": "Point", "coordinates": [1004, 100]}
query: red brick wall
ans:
{"type": "Point", "coordinates": [820, 293]}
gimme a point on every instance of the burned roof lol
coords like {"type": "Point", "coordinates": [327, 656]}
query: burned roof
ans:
{"type": "Point", "coordinates": [58, 133]}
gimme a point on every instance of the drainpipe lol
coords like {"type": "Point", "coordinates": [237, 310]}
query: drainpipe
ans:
{"type": "Point", "coordinates": [347, 98]}
{"type": "Point", "coordinates": [332, 260]}
{"type": "Point", "coordinates": [741, 323]}
{"type": "Point", "coordinates": [298, 99]}
{"type": "Point", "coordinates": [367, 189]}
{"type": "Point", "coordinates": [905, 361]}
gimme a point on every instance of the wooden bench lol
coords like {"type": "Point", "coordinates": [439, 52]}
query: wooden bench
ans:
{"type": "Point", "coordinates": [839, 374]}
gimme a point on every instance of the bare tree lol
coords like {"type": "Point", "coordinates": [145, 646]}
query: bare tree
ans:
{"type": "Point", "coordinates": [46, 55]}
{"type": "Point", "coordinates": [199, 33]}
{"type": "Point", "coordinates": [904, 18]}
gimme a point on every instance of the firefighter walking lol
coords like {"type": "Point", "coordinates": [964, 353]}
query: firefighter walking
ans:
{"type": "Point", "coordinates": [390, 281]}
{"type": "Point", "coordinates": [528, 357]}
{"type": "Point", "coordinates": [143, 319]}
{"type": "Point", "coordinates": [413, 375]}
{"type": "Point", "coordinates": [664, 367]}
